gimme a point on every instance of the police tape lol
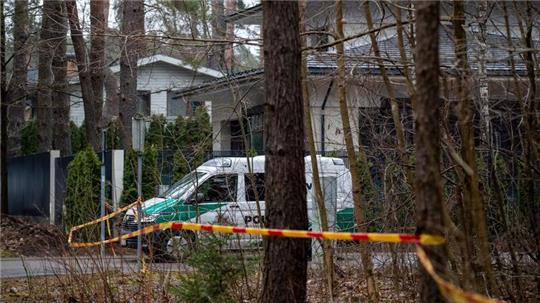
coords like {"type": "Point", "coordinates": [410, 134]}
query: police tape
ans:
{"type": "Point", "coordinates": [449, 290]}
{"type": "Point", "coordinates": [104, 218]}
{"type": "Point", "coordinates": [289, 233]}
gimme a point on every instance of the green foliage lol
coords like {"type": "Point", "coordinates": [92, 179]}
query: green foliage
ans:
{"type": "Point", "coordinates": [78, 137]}
{"type": "Point", "coordinates": [191, 140]}
{"type": "Point", "coordinates": [156, 132]}
{"type": "Point", "coordinates": [83, 188]}
{"type": "Point", "coordinates": [215, 273]}
{"type": "Point", "coordinates": [29, 138]}
{"type": "Point", "coordinates": [150, 175]}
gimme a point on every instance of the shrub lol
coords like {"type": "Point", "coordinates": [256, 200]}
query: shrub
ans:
{"type": "Point", "coordinates": [78, 137]}
{"type": "Point", "coordinates": [29, 138]}
{"type": "Point", "coordinates": [215, 273]}
{"type": "Point", "coordinates": [156, 132]}
{"type": "Point", "coordinates": [83, 189]}
{"type": "Point", "coordinates": [150, 175]}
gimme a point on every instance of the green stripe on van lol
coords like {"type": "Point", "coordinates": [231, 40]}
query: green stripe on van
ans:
{"type": "Point", "coordinates": [345, 220]}
{"type": "Point", "coordinates": [177, 210]}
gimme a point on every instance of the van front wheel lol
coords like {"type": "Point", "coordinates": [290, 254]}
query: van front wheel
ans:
{"type": "Point", "coordinates": [174, 246]}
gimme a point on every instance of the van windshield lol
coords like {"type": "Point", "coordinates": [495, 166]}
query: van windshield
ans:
{"type": "Point", "coordinates": [179, 188]}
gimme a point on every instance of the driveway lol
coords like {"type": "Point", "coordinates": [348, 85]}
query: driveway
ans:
{"type": "Point", "coordinates": [32, 266]}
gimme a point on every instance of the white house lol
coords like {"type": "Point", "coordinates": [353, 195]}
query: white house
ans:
{"type": "Point", "coordinates": [158, 76]}
{"type": "Point", "coordinates": [238, 99]}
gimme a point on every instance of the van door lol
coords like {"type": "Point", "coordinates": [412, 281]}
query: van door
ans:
{"type": "Point", "coordinates": [250, 212]}
{"type": "Point", "coordinates": [219, 192]}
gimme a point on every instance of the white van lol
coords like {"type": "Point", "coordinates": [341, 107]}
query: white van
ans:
{"type": "Point", "coordinates": [228, 191]}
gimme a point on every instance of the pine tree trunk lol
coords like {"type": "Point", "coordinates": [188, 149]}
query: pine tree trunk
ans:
{"type": "Point", "coordinates": [60, 97]}
{"type": "Point", "coordinates": [285, 259]}
{"type": "Point", "coordinates": [132, 27]}
{"type": "Point", "coordinates": [45, 76]}
{"type": "Point", "coordinates": [16, 95]}
{"type": "Point", "coordinates": [365, 255]}
{"type": "Point", "coordinates": [3, 115]}
{"type": "Point", "coordinates": [216, 58]}
{"type": "Point", "coordinates": [230, 7]}
{"type": "Point", "coordinates": [428, 183]}
{"type": "Point", "coordinates": [90, 118]}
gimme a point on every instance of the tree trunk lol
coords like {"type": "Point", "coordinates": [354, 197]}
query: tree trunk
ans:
{"type": "Point", "coordinates": [285, 259]}
{"type": "Point", "coordinates": [394, 106]}
{"type": "Point", "coordinates": [3, 116]}
{"type": "Point", "coordinates": [90, 118]}
{"type": "Point", "coordinates": [428, 183]}
{"type": "Point", "coordinates": [230, 7]}
{"type": "Point", "coordinates": [373, 294]}
{"type": "Point", "coordinates": [531, 155]}
{"type": "Point", "coordinates": [16, 94]}
{"type": "Point", "coordinates": [98, 23]}
{"type": "Point", "coordinates": [132, 27]}
{"type": "Point", "coordinates": [216, 58]}
{"type": "Point", "coordinates": [47, 43]}
{"type": "Point", "coordinates": [60, 97]}
{"type": "Point", "coordinates": [472, 198]}
{"type": "Point", "coordinates": [328, 251]}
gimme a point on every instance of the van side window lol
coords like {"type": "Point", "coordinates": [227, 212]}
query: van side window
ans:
{"type": "Point", "coordinates": [219, 188]}
{"type": "Point", "coordinates": [259, 185]}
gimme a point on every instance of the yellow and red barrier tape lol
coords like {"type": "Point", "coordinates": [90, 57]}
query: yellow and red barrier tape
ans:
{"type": "Point", "coordinates": [104, 218]}
{"type": "Point", "coordinates": [289, 233]}
{"type": "Point", "coordinates": [449, 290]}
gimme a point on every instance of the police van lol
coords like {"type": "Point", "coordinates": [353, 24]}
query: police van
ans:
{"type": "Point", "coordinates": [230, 191]}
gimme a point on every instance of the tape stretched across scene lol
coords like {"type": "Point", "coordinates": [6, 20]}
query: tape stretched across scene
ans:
{"type": "Point", "coordinates": [449, 290]}
{"type": "Point", "coordinates": [340, 236]}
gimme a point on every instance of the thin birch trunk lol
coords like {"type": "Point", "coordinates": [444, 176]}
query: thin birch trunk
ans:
{"type": "Point", "coordinates": [365, 255]}
{"type": "Point", "coordinates": [394, 106]}
{"type": "Point", "coordinates": [473, 200]}
{"type": "Point", "coordinates": [328, 251]}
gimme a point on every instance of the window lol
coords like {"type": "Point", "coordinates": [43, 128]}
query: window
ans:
{"type": "Point", "coordinates": [237, 141]}
{"type": "Point", "coordinates": [249, 179]}
{"type": "Point", "coordinates": [175, 106]}
{"type": "Point", "coordinates": [253, 125]}
{"type": "Point", "coordinates": [220, 188]}
{"type": "Point", "coordinates": [144, 97]}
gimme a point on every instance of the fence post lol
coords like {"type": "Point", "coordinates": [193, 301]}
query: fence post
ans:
{"type": "Point", "coordinates": [117, 180]}
{"type": "Point", "coordinates": [53, 155]}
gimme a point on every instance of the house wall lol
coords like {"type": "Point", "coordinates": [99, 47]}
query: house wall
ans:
{"type": "Point", "coordinates": [359, 94]}
{"type": "Point", "coordinates": [158, 78]}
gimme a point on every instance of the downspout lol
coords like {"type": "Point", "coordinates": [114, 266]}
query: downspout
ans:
{"type": "Point", "coordinates": [323, 106]}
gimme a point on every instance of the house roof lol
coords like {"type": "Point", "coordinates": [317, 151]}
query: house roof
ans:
{"type": "Point", "coordinates": [173, 61]}
{"type": "Point", "coordinates": [245, 15]}
{"type": "Point", "coordinates": [360, 61]}
{"type": "Point", "coordinates": [167, 59]}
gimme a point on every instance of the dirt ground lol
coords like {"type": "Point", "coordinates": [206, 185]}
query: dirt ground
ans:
{"type": "Point", "coordinates": [19, 237]}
